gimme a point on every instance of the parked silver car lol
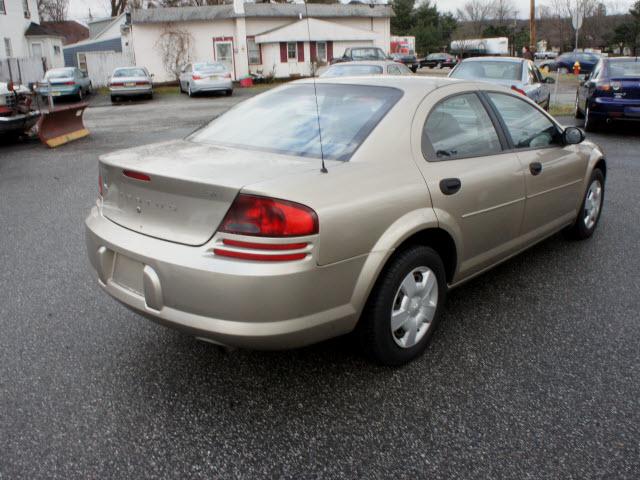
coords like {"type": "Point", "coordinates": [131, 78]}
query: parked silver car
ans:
{"type": "Point", "coordinates": [67, 81]}
{"type": "Point", "coordinates": [130, 82]}
{"type": "Point", "coordinates": [238, 235]}
{"type": "Point", "coordinates": [521, 75]}
{"type": "Point", "coordinates": [353, 69]}
{"type": "Point", "coordinates": [200, 77]}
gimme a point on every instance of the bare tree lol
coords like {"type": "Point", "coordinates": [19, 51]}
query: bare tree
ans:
{"type": "Point", "coordinates": [175, 47]}
{"type": "Point", "coordinates": [504, 10]}
{"type": "Point", "coordinates": [476, 13]}
{"type": "Point", "coordinates": [53, 10]}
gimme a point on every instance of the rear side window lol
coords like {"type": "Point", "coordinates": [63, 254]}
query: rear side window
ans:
{"type": "Point", "coordinates": [459, 127]}
{"type": "Point", "coordinates": [526, 125]}
{"type": "Point", "coordinates": [285, 120]}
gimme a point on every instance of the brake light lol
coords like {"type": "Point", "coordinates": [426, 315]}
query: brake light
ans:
{"type": "Point", "coordinates": [117, 84]}
{"type": "Point", "coordinates": [268, 217]}
{"type": "Point", "coordinates": [519, 90]}
{"type": "Point", "coordinates": [196, 77]}
{"type": "Point", "coordinates": [143, 177]}
{"type": "Point", "coordinates": [69, 83]}
{"type": "Point", "coordinates": [142, 83]}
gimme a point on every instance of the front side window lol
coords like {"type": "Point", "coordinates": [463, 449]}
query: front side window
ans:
{"type": "Point", "coordinates": [253, 51]}
{"type": "Point", "coordinates": [292, 51]}
{"type": "Point", "coordinates": [286, 120]}
{"type": "Point", "coordinates": [527, 126]}
{"type": "Point", "coordinates": [459, 127]}
{"type": "Point", "coordinates": [321, 51]}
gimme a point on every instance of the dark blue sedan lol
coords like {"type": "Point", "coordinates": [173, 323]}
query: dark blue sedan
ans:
{"type": "Point", "coordinates": [611, 92]}
{"type": "Point", "coordinates": [564, 63]}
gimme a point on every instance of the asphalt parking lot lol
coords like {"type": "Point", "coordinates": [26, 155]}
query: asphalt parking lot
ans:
{"type": "Point", "coordinates": [533, 373]}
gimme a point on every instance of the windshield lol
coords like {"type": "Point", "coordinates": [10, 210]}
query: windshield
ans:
{"type": "Point", "coordinates": [487, 69]}
{"type": "Point", "coordinates": [367, 54]}
{"type": "Point", "coordinates": [59, 73]}
{"type": "Point", "coordinates": [285, 120]}
{"type": "Point", "coordinates": [624, 68]}
{"type": "Point", "coordinates": [130, 72]}
{"type": "Point", "coordinates": [351, 70]}
{"type": "Point", "coordinates": [209, 67]}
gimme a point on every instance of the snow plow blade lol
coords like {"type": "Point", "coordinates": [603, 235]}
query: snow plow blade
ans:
{"type": "Point", "coordinates": [62, 125]}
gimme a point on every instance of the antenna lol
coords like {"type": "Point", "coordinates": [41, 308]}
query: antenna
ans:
{"type": "Point", "coordinates": [315, 90]}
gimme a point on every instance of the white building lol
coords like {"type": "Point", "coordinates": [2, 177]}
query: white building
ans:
{"type": "Point", "coordinates": [22, 36]}
{"type": "Point", "coordinates": [264, 37]}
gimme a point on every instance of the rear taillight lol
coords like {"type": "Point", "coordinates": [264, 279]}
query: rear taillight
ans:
{"type": "Point", "coordinates": [519, 90]}
{"type": "Point", "coordinates": [196, 77]}
{"type": "Point", "coordinates": [143, 177]}
{"type": "Point", "coordinates": [142, 83]}
{"type": "Point", "coordinates": [117, 84]}
{"type": "Point", "coordinates": [69, 83]}
{"type": "Point", "coordinates": [268, 217]}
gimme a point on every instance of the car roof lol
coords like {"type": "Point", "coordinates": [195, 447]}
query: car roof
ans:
{"type": "Point", "coordinates": [621, 59]}
{"type": "Point", "coordinates": [493, 59]}
{"type": "Point", "coordinates": [412, 85]}
{"type": "Point", "coordinates": [381, 63]}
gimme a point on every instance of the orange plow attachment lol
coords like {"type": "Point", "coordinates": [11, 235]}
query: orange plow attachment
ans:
{"type": "Point", "coordinates": [62, 124]}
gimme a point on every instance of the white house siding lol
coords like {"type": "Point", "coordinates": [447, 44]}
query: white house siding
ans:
{"type": "Point", "coordinates": [13, 25]}
{"type": "Point", "coordinates": [54, 60]}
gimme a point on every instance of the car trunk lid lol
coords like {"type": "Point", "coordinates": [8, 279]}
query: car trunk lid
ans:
{"type": "Point", "coordinates": [180, 191]}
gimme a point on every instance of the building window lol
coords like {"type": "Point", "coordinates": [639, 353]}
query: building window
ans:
{"type": "Point", "coordinates": [25, 8]}
{"type": "Point", "coordinates": [82, 62]}
{"type": "Point", "coordinates": [321, 51]}
{"type": "Point", "coordinates": [7, 47]}
{"type": "Point", "coordinates": [253, 51]}
{"type": "Point", "coordinates": [56, 49]}
{"type": "Point", "coordinates": [292, 51]}
{"type": "Point", "coordinates": [3, 9]}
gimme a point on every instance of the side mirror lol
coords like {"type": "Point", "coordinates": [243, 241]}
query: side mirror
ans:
{"type": "Point", "coordinates": [572, 136]}
{"type": "Point", "coordinates": [549, 80]}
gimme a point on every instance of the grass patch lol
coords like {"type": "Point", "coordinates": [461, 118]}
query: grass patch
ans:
{"type": "Point", "coordinates": [564, 110]}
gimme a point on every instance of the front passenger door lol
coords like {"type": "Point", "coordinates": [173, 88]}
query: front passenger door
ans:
{"type": "Point", "coordinates": [477, 190]}
{"type": "Point", "coordinates": [554, 172]}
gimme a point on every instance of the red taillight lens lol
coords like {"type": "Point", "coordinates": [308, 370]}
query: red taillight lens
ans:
{"type": "Point", "coordinates": [117, 84]}
{"type": "Point", "coordinates": [69, 83]}
{"type": "Point", "coordinates": [268, 217]}
{"type": "Point", "coordinates": [519, 90]}
{"type": "Point", "coordinates": [142, 83]}
{"type": "Point", "coordinates": [196, 77]}
{"type": "Point", "coordinates": [143, 177]}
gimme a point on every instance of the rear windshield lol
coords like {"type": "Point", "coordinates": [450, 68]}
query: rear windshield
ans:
{"type": "Point", "coordinates": [350, 70]}
{"type": "Point", "coordinates": [489, 69]}
{"type": "Point", "coordinates": [61, 73]}
{"type": "Point", "coordinates": [367, 54]}
{"type": "Point", "coordinates": [130, 72]}
{"type": "Point", "coordinates": [285, 120]}
{"type": "Point", "coordinates": [629, 68]}
{"type": "Point", "coordinates": [209, 67]}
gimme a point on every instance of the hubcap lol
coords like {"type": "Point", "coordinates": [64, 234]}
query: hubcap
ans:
{"type": "Point", "coordinates": [592, 204]}
{"type": "Point", "coordinates": [414, 307]}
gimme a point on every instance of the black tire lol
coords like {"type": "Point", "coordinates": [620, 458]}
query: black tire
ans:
{"type": "Point", "coordinates": [114, 99]}
{"type": "Point", "coordinates": [228, 93]}
{"type": "Point", "coordinates": [578, 113]}
{"type": "Point", "coordinates": [580, 230]}
{"type": "Point", "coordinates": [374, 329]}
{"type": "Point", "coordinates": [414, 69]}
{"type": "Point", "coordinates": [591, 124]}
{"type": "Point", "coordinates": [80, 95]}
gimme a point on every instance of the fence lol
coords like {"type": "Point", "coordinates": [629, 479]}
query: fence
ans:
{"type": "Point", "coordinates": [21, 70]}
{"type": "Point", "coordinates": [100, 66]}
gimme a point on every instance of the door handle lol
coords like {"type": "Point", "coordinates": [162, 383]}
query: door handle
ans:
{"type": "Point", "coordinates": [535, 168]}
{"type": "Point", "coordinates": [449, 186]}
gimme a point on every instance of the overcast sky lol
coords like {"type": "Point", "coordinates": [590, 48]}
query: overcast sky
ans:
{"type": "Point", "coordinates": [79, 9]}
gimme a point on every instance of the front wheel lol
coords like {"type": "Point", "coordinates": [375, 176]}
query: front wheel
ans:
{"type": "Point", "coordinates": [591, 208]}
{"type": "Point", "coordinates": [403, 309]}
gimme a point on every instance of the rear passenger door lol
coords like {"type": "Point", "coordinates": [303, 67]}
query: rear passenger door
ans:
{"type": "Point", "coordinates": [477, 190]}
{"type": "Point", "coordinates": [554, 172]}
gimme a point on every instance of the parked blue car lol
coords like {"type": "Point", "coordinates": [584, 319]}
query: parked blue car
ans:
{"type": "Point", "coordinates": [67, 81]}
{"type": "Point", "coordinates": [611, 92]}
{"type": "Point", "coordinates": [564, 63]}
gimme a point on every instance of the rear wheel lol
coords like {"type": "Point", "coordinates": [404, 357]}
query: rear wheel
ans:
{"type": "Point", "coordinates": [228, 93]}
{"type": "Point", "coordinates": [80, 95]}
{"type": "Point", "coordinates": [578, 113]}
{"type": "Point", "coordinates": [591, 208]}
{"type": "Point", "coordinates": [114, 99]}
{"type": "Point", "coordinates": [189, 91]}
{"type": "Point", "coordinates": [591, 124]}
{"type": "Point", "coordinates": [403, 308]}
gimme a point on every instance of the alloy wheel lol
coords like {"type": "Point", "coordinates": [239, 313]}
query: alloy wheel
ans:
{"type": "Point", "coordinates": [414, 307]}
{"type": "Point", "coordinates": [592, 204]}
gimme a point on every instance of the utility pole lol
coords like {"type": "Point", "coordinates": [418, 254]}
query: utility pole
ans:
{"type": "Point", "coordinates": [532, 24]}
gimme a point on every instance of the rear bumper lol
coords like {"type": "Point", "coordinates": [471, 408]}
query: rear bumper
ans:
{"type": "Point", "coordinates": [616, 109]}
{"type": "Point", "coordinates": [59, 91]}
{"type": "Point", "coordinates": [211, 85]}
{"type": "Point", "coordinates": [130, 91]}
{"type": "Point", "coordinates": [273, 305]}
